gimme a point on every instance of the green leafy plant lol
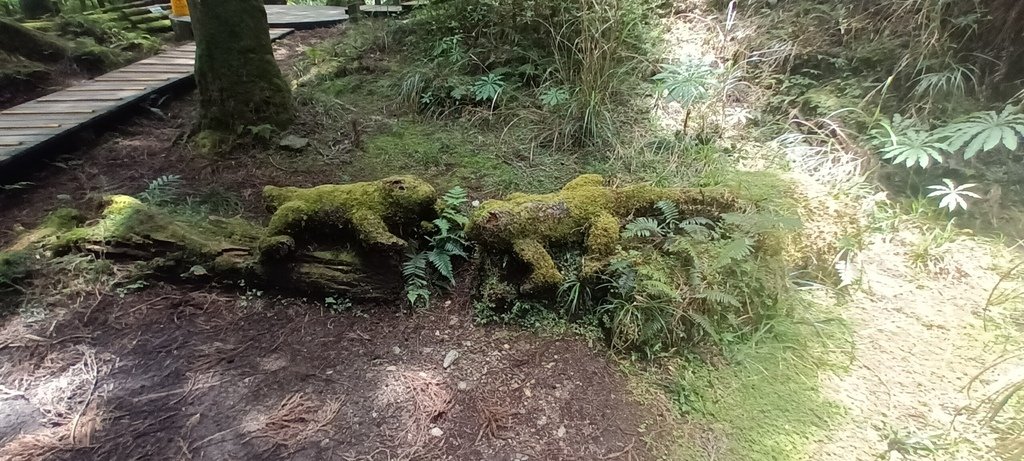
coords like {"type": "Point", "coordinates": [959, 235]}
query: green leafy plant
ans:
{"type": "Point", "coordinates": [448, 242]}
{"type": "Point", "coordinates": [952, 194]}
{"type": "Point", "coordinates": [161, 190]}
{"type": "Point", "coordinates": [983, 131]}
{"type": "Point", "coordinates": [915, 148]}
{"type": "Point", "coordinates": [687, 83]}
{"type": "Point", "coordinates": [554, 96]}
{"type": "Point", "coordinates": [488, 87]}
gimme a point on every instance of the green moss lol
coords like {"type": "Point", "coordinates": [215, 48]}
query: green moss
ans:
{"type": "Point", "coordinates": [231, 36]}
{"type": "Point", "coordinates": [129, 221]}
{"type": "Point", "coordinates": [14, 265]}
{"type": "Point", "coordinates": [583, 211]}
{"type": "Point", "coordinates": [367, 208]}
{"type": "Point", "coordinates": [767, 405]}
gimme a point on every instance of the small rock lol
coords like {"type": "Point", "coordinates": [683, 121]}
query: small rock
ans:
{"type": "Point", "coordinates": [391, 368]}
{"type": "Point", "coordinates": [64, 197]}
{"type": "Point", "coordinates": [396, 350]}
{"type": "Point", "coordinates": [520, 457]}
{"type": "Point", "coordinates": [528, 392]}
{"type": "Point", "coordinates": [436, 431]}
{"type": "Point", "coordinates": [561, 431]}
{"type": "Point", "coordinates": [450, 357]}
{"type": "Point", "coordinates": [293, 142]}
{"type": "Point", "coordinates": [463, 385]}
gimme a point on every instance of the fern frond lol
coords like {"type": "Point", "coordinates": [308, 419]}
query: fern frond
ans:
{"type": "Point", "coordinates": [442, 262]}
{"type": "Point", "coordinates": [642, 228]}
{"type": "Point", "coordinates": [733, 250]}
{"type": "Point", "coordinates": [669, 212]}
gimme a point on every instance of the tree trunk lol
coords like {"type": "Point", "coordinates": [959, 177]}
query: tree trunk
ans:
{"type": "Point", "coordinates": [33, 9]}
{"type": "Point", "coordinates": [31, 44]}
{"type": "Point", "coordinates": [239, 82]}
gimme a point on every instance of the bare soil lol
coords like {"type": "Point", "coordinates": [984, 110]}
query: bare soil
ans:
{"type": "Point", "coordinates": [170, 373]}
{"type": "Point", "coordinates": [220, 373]}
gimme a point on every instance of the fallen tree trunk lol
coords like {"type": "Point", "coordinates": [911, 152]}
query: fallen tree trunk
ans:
{"type": "Point", "coordinates": [31, 44]}
{"type": "Point", "coordinates": [216, 249]}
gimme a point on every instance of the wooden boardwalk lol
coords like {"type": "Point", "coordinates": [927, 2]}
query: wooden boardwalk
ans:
{"type": "Point", "coordinates": [38, 126]}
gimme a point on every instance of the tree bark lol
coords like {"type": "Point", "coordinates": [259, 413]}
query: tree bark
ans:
{"type": "Point", "coordinates": [33, 9]}
{"type": "Point", "coordinates": [239, 82]}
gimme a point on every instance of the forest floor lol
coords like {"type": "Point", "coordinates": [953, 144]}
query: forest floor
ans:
{"type": "Point", "coordinates": [96, 367]}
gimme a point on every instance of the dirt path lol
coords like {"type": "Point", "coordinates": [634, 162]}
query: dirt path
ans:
{"type": "Point", "coordinates": [174, 374]}
{"type": "Point", "coordinates": [919, 340]}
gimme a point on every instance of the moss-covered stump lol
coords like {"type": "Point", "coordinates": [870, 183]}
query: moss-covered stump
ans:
{"type": "Point", "coordinates": [583, 212]}
{"type": "Point", "coordinates": [373, 211]}
{"type": "Point", "coordinates": [215, 249]}
{"type": "Point", "coordinates": [239, 82]}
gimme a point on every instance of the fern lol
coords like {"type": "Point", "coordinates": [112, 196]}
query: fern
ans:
{"type": "Point", "coordinates": [448, 241]}
{"type": "Point", "coordinates": [733, 250]}
{"type": "Point", "coordinates": [161, 190]}
{"type": "Point", "coordinates": [442, 262]}
{"type": "Point", "coordinates": [669, 212]}
{"type": "Point", "coordinates": [642, 228]}
{"type": "Point", "coordinates": [414, 271]}
{"type": "Point", "coordinates": [983, 131]}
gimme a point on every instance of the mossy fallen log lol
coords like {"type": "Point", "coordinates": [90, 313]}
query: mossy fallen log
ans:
{"type": "Point", "coordinates": [31, 44]}
{"type": "Point", "coordinates": [348, 240]}
{"type": "Point", "coordinates": [584, 211]}
{"type": "Point", "coordinates": [156, 27]}
{"type": "Point", "coordinates": [217, 249]}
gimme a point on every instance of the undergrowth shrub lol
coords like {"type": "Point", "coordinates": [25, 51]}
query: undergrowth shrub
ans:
{"type": "Point", "coordinates": [567, 71]}
{"type": "Point", "coordinates": [676, 281]}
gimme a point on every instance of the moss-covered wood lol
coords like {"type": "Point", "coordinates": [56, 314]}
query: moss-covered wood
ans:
{"type": "Point", "coordinates": [239, 82]}
{"type": "Point", "coordinates": [213, 249]}
{"type": "Point", "coordinates": [583, 212]}
{"type": "Point", "coordinates": [31, 44]}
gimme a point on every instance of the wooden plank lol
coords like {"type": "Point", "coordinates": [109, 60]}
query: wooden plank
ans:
{"type": "Point", "coordinates": [53, 111]}
{"type": "Point", "coordinates": [6, 117]}
{"type": "Point", "coordinates": [133, 78]}
{"type": "Point", "coordinates": [22, 139]}
{"type": "Point", "coordinates": [4, 126]}
{"type": "Point", "coordinates": [87, 97]}
{"type": "Point", "coordinates": [161, 70]}
{"type": "Point", "coordinates": [6, 132]}
{"type": "Point", "coordinates": [167, 62]}
{"type": "Point", "coordinates": [107, 87]}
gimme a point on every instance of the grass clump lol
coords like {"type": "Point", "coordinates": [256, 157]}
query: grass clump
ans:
{"type": "Point", "coordinates": [567, 71]}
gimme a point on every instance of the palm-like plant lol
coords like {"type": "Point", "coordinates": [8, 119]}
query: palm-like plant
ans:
{"type": "Point", "coordinates": [915, 147]}
{"type": "Point", "coordinates": [983, 131]}
{"type": "Point", "coordinates": [952, 194]}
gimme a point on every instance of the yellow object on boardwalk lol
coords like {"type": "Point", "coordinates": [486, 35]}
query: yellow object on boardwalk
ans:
{"type": "Point", "coordinates": [179, 7]}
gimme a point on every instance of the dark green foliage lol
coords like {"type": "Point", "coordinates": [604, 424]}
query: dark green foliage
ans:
{"type": "Point", "coordinates": [13, 267]}
{"type": "Point", "coordinates": [446, 242]}
{"type": "Point", "coordinates": [570, 71]}
{"type": "Point", "coordinates": [33, 9]}
{"type": "Point", "coordinates": [673, 283]}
